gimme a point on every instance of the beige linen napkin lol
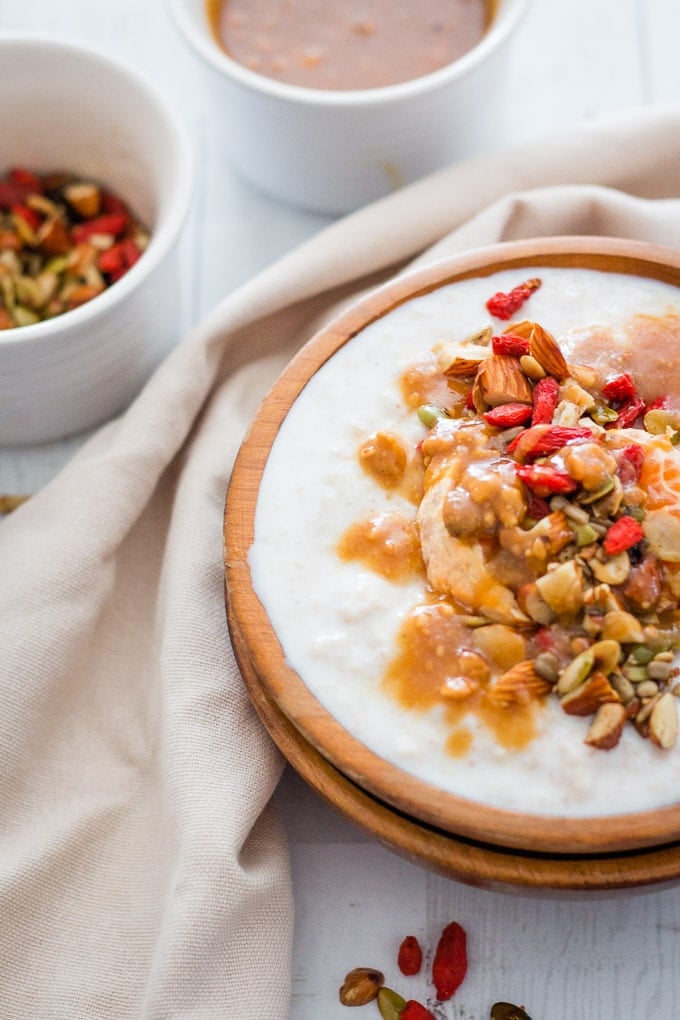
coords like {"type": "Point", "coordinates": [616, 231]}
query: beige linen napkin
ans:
{"type": "Point", "coordinates": [142, 873]}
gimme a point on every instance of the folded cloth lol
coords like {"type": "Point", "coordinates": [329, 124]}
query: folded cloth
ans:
{"type": "Point", "coordinates": [142, 870]}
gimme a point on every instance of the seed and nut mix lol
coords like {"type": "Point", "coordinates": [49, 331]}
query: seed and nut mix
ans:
{"type": "Point", "coordinates": [567, 484]}
{"type": "Point", "coordinates": [63, 240]}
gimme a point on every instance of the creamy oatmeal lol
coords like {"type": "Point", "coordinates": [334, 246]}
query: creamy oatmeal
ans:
{"type": "Point", "coordinates": [465, 540]}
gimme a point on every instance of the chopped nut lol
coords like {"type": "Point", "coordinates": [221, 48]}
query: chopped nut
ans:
{"type": "Point", "coordinates": [607, 726]}
{"type": "Point", "coordinates": [663, 722]}
{"type": "Point", "coordinates": [543, 347]}
{"type": "Point", "coordinates": [588, 696]}
{"type": "Point", "coordinates": [501, 381]}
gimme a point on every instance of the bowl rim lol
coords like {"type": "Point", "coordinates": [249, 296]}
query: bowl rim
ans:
{"type": "Point", "coordinates": [502, 27]}
{"type": "Point", "coordinates": [164, 234]}
{"type": "Point", "coordinates": [258, 647]}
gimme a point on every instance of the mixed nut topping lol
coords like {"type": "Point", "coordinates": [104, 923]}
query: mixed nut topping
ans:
{"type": "Point", "coordinates": [549, 526]}
{"type": "Point", "coordinates": [63, 240]}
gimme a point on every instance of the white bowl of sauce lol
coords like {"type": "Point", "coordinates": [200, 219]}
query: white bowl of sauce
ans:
{"type": "Point", "coordinates": [330, 106]}
{"type": "Point", "coordinates": [335, 640]}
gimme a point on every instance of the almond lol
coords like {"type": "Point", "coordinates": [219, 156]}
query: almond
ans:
{"type": "Point", "coordinates": [462, 368]}
{"type": "Point", "coordinates": [607, 726]}
{"type": "Point", "coordinates": [53, 237]}
{"type": "Point", "coordinates": [360, 986]}
{"type": "Point", "coordinates": [500, 380]}
{"type": "Point", "coordinates": [663, 721]}
{"type": "Point", "coordinates": [588, 696]}
{"type": "Point", "coordinates": [543, 347]}
{"type": "Point", "coordinates": [518, 685]}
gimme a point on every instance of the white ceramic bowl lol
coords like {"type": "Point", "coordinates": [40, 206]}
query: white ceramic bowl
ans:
{"type": "Point", "coordinates": [68, 108]}
{"type": "Point", "coordinates": [333, 151]}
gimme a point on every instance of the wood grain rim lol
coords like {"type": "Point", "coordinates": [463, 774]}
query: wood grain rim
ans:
{"type": "Point", "coordinates": [258, 648]}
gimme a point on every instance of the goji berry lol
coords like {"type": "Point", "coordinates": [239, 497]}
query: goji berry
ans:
{"type": "Point", "coordinates": [504, 306]}
{"type": "Point", "coordinates": [414, 1011]}
{"type": "Point", "coordinates": [509, 343]}
{"type": "Point", "coordinates": [116, 260]}
{"type": "Point", "coordinates": [26, 179]}
{"type": "Point", "coordinates": [546, 399]}
{"type": "Point", "coordinates": [449, 966]}
{"type": "Point", "coordinates": [12, 194]}
{"type": "Point", "coordinates": [622, 535]}
{"type": "Point", "coordinates": [110, 223]}
{"type": "Point", "coordinates": [544, 479]}
{"type": "Point", "coordinates": [540, 440]}
{"type": "Point", "coordinates": [620, 388]}
{"type": "Point", "coordinates": [410, 956]}
{"type": "Point", "coordinates": [29, 216]}
{"type": "Point", "coordinates": [629, 413]}
{"type": "Point", "coordinates": [537, 508]}
{"type": "Point", "coordinates": [631, 459]}
{"type": "Point", "coordinates": [508, 415]}
{"type": "Point", "coordinates": [657, 404]}
{"type": "Point", "coordinates": [469, 404]}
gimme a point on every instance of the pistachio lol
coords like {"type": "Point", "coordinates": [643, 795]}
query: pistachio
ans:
{"type": "Point", "coordinates": [360, 986]}
{"type": "Point", "coordinates": [390, 1004]}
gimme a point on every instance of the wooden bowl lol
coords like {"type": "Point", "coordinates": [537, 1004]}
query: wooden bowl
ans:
{"type": "Point", "coordinates": [259, 649]}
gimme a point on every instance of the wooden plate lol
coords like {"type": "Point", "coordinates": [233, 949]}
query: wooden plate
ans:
{"type": "Point", "coordinates": [259, 650]}
{"type": "Point", "coordinates": [475, 864]}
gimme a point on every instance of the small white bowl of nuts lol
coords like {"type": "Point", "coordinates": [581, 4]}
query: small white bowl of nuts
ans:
{"type": "Point", "coordinates": [95, 186]}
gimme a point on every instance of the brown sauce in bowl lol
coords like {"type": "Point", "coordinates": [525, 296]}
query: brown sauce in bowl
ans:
{"type": "Point", "coordinates": [347, 44]}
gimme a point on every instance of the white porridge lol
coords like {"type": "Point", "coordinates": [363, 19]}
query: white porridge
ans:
{"type": "Point", "coordinates": [494, 722]}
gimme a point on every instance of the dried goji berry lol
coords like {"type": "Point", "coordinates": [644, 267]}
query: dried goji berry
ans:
{"type": "Point", "coordinates": [657, 404]}
{"type": "Point", "coordinates": [544, 479]}
{"type": "Point", "coordinates": [623, 534]}
{"type": "Point", "coordinates": [540, 440]}
{"type": "Point", "coordinates": [631, 459]}
{"type": "Point", "coordinates": [26, 179]}
{"type": "Point", "coordinates": [29, 216]}
{"type": "Point", "coordinates": [508, 415]}
{"type": "Point", "coordinates": [12, 194]}
{"type": "Point", "coordinates": [546, 399]}
{"type": "Point", "coordinates": [449, 966]}
{"type": "Point", "coordinates": [509, 343]}
{"type": "Point", "coordinates": [469, 404]}
{"type": "Point", "coordinates": [410, 956]}
{"type": "Point", "coordinates": [110, 223]}
{"type": "Point", "coordinates": [414, 1011]}
{"type": "Point", "coordinates": [620, 388]}
{"type": "Point", "coordinates": [504, 306]}
{"type": "Point", "coordinates": [629, 413]}
{"type": "Point", "coordinates": [537, 508]}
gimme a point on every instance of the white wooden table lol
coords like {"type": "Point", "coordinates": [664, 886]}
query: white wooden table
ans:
{"type": "Point", "coordinates": [598, 959]}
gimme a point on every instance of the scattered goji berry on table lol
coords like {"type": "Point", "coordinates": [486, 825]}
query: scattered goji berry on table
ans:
{"type": "Point", "coordinates": [410, 956]}
{"type": "Point", "coordinates": [546, 398]}
{"type": "Point", "coordinates": [504, 306]}
{"type": "Point", "coordinates": [622, 535]}
{"type": "Point", "coordinates": [509, 343]}
{"type": "Point", "coordinates": [508, 415]}
{"type": "Point", "coordinates": [544, 479]}
{"type": "Point", "coordinates": [415, 1011]}
{"type": "Point", "coordinates": [449, 966]}
{"type": "Point", "coordinates": [620, 388]}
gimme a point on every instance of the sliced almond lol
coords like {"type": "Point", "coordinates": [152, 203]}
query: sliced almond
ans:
{"type": "Point", "coordinates": [543, 347]}
{"type": "Point", "coordinates": [607, 726]}
{"type": "Point", "coordinates": [663, 721]}
{"type": "Point", "coordinates": [519, 685]}
{"type": "Point", "coordinates": [588, 696]}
